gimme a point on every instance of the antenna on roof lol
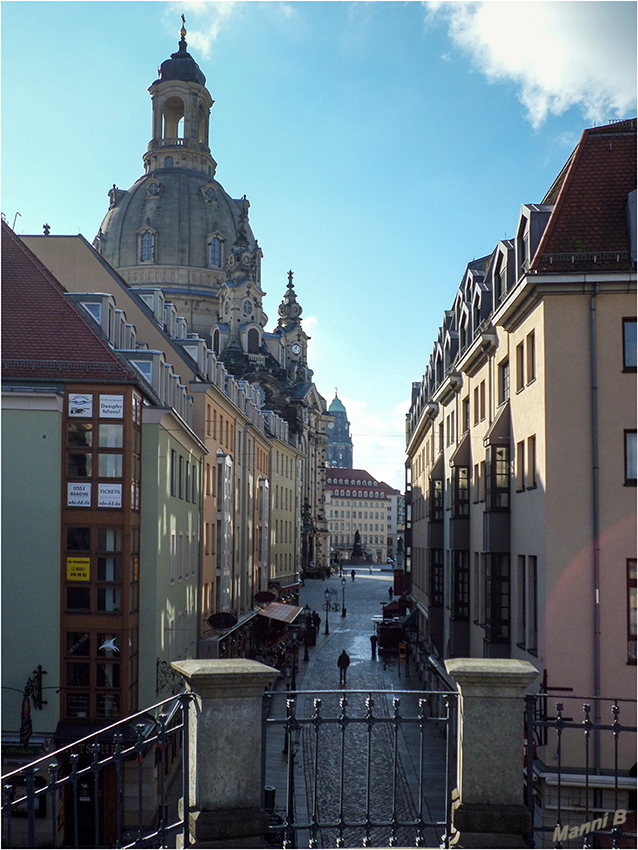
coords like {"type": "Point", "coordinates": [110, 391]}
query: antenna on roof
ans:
{"type": "Point", "coordinates": [15, 218]}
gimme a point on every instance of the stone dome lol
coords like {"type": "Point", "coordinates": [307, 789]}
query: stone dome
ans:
{"type": "Point", "coordinates": [181, 66]}
{"type": "Point", "coordinates": [183, 208]}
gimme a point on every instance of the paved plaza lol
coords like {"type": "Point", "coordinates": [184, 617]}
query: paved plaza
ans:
{"type": "Point", "coordinates": [358, 786]}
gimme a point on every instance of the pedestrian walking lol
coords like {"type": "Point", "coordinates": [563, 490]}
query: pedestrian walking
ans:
{"type": "Point", "coordinates": [373, 645]}
{"type": "Point", "coordinates": [353, 574]}
{"type": "Point", "coordinates": [390, 593]}
{"type": "Point", "coordinates": [316, 620]}
{"type": "Point", "coordinates": [343, 663]}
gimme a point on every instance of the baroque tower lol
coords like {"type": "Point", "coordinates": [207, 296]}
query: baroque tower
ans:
{"type": "Point", "coordinates": [339, 448]}
{"type": "Point", "coordinates": [176, 228]}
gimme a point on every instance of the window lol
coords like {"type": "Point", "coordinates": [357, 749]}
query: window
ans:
{"type": "Point", "coordinates": [497, 598]}
{"type": "Point", "coordinates": [520, 466]}
{"type": "Point", "coordinates": [482, 478]}
{"type": "Point", "coordinates": [497, 478]}
{"type": "Point", "coordinates": [503, 381]}
{"type": "Point", "coordinates": [461, 492]}
{"type": "Point", "coordinates": [215, 252]}
{"type": "Point", "coordinates": [110, 465]}
{"type": "Point", "coordinates": [436, 578]}
{"type": "Point", "coordinates": [173, 472]}
{"type": "Point", "coordinates": [531, 357]}
{"type": "Point", "coordinates": [531, 462]}
{"type": "Point", "coordinates": [168, 162]}
{"type": "Point", "coordinates": [520, 367]}
{"type": "Point", "coordinates": [482, 400]}
{"type": "Point", "coordinates": [147, 247]}
{"type": "Point", "coordinates": [79, 465]}
{"type": "Point", "coordinates": [476, 489]}
{"type": "Point", "coordinates": [631, 610]}
{"type": "Point", "coordinates": [80, 434]}
{"type": "Point", "coordinates": [629, 345]}
{"type": "Point", "coordinates": [111, 436]}
{"type": "Point", "coordinates": [460, 585]}
{"type": "Point", "coordinates": [476, 405]}
{"type": "Point", "coordinates": [630, 458]}
{"type": "Point", "coordinates": [436, 500]}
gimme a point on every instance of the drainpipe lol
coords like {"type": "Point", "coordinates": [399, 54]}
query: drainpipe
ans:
{"type": "Point", "coordinates": [595, 521]}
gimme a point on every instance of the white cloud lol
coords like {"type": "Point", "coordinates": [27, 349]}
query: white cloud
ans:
{"type": "Point", "coordinates": [559, 54]}
{"type": "Point", "coordinates": [204, 21]}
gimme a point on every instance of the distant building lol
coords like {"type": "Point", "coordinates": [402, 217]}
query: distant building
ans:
{"type": "Point", "coordinates": [339, 448]}
{"type": "Point", "coordinates": [521, 442]}
{"type": "Point", "coordinates": [355, 501]}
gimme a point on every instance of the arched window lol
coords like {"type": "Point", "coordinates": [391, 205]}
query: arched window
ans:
{"type": "Point", "coordinates": [147, 246]}
{"type": "Point", "coordinates": [253, 341]}
{"type": "Point", "coordinates": [168, 162]}
{"type": "Point", "coordinates": [215, 250]}
{"type": "Point", "coordinates": [216, 341]}
{"type": "Point", "coordinates": [347, 492]}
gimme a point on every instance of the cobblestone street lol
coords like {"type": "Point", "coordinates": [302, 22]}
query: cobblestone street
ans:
{"type": "Point", "coordinates": [388, 792]}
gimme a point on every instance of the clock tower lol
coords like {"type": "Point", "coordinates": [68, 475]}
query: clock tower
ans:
{"type": "Point", "coordinates": [294, 339]}
{"type": "Point", "coordinates": [339, 449]}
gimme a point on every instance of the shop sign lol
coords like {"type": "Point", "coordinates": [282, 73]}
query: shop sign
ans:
{"type": "Point", "coordinates": [78, 495]}
{"type": "Point", "coordinates": [111, 407]}
{"type": "Point", "coordinates": [78, 569]}
{"type": "Point", "coordinates": [109, 496]}
{"type": "Point", "coordinates": [80, 404]}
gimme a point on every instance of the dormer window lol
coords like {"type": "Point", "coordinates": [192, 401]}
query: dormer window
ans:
{"type": "Point", "coordinates": [153, 189]}
{"type": "Point", "coordinates": [209, 193]}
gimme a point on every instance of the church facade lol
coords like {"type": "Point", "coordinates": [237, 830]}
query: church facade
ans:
{"type": "Point", "coordinates": [177, 230]}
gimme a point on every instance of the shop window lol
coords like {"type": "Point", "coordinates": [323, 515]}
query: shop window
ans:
{"type": "Point", "coordinates": [107, 705]}
{"type": "Point", "coordinates": [79, 465]}
{"type": "Point", "coordinates": [78, 598]}
{"type": "Point", "coordinates": [78, 644]}
{"type": "Point", "coordinates": [111, 436]}
{"type": "Point", "coordinates": [78, 539]}
{"type": "Point", "coordinates": [77, 705]}
{"type": "Point", "coordinates": [110, 465]}
{"type": "Point", "coordinates": [78, 675]}
{"type": "Point", "coordinates": [108, 675]}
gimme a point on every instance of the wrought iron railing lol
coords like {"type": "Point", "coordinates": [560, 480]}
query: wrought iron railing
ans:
{"type": "Point", "coordinates": [154, 738]}
{"type": "Point", "coordinates": [356, 789]}
{"type": "Point", "coordinates": [601, 785]}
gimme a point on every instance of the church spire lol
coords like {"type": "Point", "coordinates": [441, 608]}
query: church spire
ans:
{"type": "Point", "coordinates": [289, 309]}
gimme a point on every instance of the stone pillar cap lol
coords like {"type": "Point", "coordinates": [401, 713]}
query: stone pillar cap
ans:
{"type": "Point", "coordinates": [492, 671]}
{"type": "Point", "coordinates": [223, 678]}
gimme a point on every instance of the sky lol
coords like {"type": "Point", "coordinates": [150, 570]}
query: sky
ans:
{"type": "Point", "coordinates": [382, 146]}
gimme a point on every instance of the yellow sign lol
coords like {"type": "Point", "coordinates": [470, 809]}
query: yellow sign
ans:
{"type": "Point", "coordinates": [78, 569]}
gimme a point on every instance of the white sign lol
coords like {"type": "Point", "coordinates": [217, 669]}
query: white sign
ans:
{"type": "Point", "coordinates": [109, 496]}
{"type": "Point", "coordinates": [80, 404]}
{"type": "Point", "coordinates": [78, 495]}
{"type": "Point", "coordinates": [111, 406]}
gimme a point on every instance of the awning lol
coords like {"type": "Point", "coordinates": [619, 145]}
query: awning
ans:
{"type": "Point", "coordinates": [412, 620]}
{"type": "Point", "coordinates": [280, 611]}
{"type": "Point", "coordinates": [462, 456]}
{"type": "Point", "coordinates": [499, 431]}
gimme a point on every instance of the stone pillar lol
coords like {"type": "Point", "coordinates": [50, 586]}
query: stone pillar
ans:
{"type": "Point", "coordinates": [225, 727]}
{"type": "Point", "coordinates": [489, 808]}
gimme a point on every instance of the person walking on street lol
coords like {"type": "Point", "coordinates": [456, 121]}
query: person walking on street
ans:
{"type": "Point", "coordinates": [342, 663]}
{"type": "Point", "coordinates": [316, 620]}
{"type": "Point", "coordinates": [373, 645]}
{"type": "Point", "coordinates": [390, 593]}
{"type": "Point", "coordinates": [353, 574]}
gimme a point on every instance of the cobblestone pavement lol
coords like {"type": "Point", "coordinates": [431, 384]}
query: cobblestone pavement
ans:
{"type": "Point", "coordinates": [393, 767]}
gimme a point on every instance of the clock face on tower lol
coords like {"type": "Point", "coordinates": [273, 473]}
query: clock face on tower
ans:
{"type": "Point", "coordinates": [296, 348]}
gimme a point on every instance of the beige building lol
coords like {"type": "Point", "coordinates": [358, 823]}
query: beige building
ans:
{"type": "Point", "coordinates": [521, 442]}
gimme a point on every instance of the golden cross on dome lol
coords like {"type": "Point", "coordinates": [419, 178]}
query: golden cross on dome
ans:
{"type": "Point", "coordinates": [182, 32]}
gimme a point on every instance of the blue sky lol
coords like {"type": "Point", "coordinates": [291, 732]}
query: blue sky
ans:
{"type": "Point", "coordinates": [382, 146]}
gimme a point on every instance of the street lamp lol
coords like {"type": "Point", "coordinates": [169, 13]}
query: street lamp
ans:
{"type": "Point", "coordinates": [343, 596]}
{"type": "Point", "coordinates": [327, 594]}
{"type": "Point", "coordinates": [293, 734]}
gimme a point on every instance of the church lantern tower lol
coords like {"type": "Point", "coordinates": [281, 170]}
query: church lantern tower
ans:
{"type": "Point", "coordinates": [175, 228]}
{"type": "Point", "coordinates": [339, 448]}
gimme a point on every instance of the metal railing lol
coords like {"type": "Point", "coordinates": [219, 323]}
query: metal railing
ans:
{"type": "Point", "coordinates": [600, 789]}
{"type": "Point", "coordinates": [83, 802]}
{"type": "Point", "coordinates": [364, 784]}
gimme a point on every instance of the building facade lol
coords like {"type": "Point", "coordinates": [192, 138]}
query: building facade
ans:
{"type": "Point", "coordinates": [521, 470]}
{"type": "Point", "coordinates": [355, 501]}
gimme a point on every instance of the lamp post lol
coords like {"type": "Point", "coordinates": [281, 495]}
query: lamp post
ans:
{"type": "Point", "coordinates": [327, 594]}
{"type": "Point", "coordinates": [343, 596]}
{"type": "Point", "coordinates": [293, 734]}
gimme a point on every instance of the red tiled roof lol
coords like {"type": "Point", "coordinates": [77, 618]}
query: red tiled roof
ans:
{"type": "Point", "coordinates": [353, 475]}
{"type": "Point", "coordinates": [587, 230]}
{"type": "Point", "coordinates": [44, 335]}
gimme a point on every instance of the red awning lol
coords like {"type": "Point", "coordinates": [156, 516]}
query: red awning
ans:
{"type": "Point", "coordinates": [279, 611]}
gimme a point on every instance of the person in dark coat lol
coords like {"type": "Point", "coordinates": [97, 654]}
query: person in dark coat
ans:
{"type": "Point", "coordinates": [373, 645]}
{"type": "Point", "coordinates": [353, 574]}
{"type": "Point", "coordinates": [390, 593]}
{"type": "Point", "coordinates": [343, 662]}
{"type": "Point", "coordinates": [316, 620]}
